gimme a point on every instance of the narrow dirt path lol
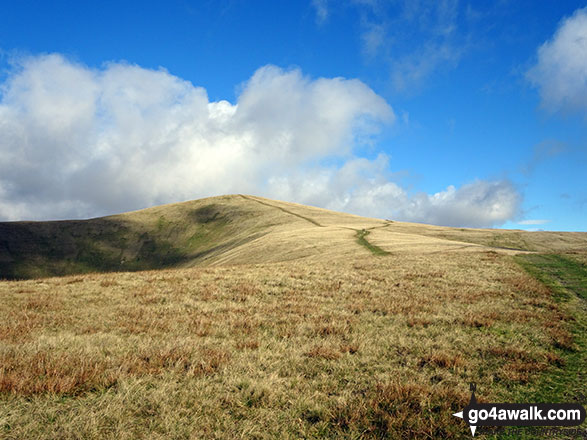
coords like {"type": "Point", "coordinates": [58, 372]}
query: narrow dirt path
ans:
{"type": "Point", "coordinates": [314, 222]}
{"type": "Point", "coordinates": [360, 233]}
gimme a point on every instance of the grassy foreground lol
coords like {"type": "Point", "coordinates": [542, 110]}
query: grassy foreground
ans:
{"type": "Point", "coordinates": [365, 347]}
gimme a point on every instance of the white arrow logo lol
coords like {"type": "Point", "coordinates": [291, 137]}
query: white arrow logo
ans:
{"type": "Point", "coordinates": [473, 427]}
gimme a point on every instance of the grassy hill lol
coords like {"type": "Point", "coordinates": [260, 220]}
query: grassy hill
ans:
{"type": "Point", "coordinates": [261, 319]}
{"type": "Point", "coordinates": [233, 229]}
{"type": "Point", "coordinates": [183, 234]}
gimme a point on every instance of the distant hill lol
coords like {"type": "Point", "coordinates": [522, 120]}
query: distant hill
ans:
{"type": "Point", "coordinates": [236, 229]}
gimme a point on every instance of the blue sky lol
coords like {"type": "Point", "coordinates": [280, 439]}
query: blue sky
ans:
{"type": "Point", "coordinates": [446, 112]}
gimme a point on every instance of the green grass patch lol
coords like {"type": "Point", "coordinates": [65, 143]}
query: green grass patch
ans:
{"type": "Point", "coordinates": [563, 275]}
{"type": "Point", "coordinates": [567, 279]}
{"type": "Point", "coordinates": [509, 241]}
{"type": "Point", "coordinates": [162, 223]}
{"type": "Point", "coordinates": [376, 250]}
{"type": "Point", "coordinates": [564, 382]}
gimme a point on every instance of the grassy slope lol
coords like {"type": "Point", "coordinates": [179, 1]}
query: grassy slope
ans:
{"type": "Point", "coordinates": [539, 241]}
{"type": "Point", "coordinates": [324, 338]}
{"type": "Point", "coordinates": [232, 229]}
{"type": "Point", "coordinates": [565, 381]}
{"type": "Point", "coordinates": [204, 231]}
{"type": "Point", "coordinates": [366, 346]}
{"type": "Point", "coordinates": [567, 279]}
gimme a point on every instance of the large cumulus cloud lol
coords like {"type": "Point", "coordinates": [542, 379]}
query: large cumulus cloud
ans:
{"type": "Point", "coordinates": [80, 142]}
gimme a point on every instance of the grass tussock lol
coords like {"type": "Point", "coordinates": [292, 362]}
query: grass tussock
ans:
{"type": "Point", "coordinates": [49, 369]}
{"type": "Point", "coordinates": [400, 410]}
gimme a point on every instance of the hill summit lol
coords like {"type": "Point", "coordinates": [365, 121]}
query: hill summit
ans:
{"type": "Point", "coordinates": [235, 229]}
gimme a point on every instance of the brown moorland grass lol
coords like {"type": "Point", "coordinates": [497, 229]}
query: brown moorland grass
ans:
{"type": "Point", "coordinates": [355, 347]}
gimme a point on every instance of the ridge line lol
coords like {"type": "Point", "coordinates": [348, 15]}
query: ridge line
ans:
{"type": "Point", "coordinates": [284, 210]}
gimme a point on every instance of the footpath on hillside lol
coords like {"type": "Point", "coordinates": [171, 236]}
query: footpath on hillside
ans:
{"type": "Point", "coordinates": [566, 382]}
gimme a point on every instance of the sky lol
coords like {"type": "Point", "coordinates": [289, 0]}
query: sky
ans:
{"type": "Point", "coordinates": [456, 113]}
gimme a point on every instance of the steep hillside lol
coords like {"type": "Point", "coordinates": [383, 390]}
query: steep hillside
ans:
{"type": "Point", "coordinates": [234, 229]}
{"type": "Point", "coordinates": [181, 234]}
{"type": "Point", "coordinates": [158, 237]}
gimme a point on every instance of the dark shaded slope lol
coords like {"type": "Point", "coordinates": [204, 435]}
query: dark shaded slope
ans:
{"type": "Point", "coordinates": [150, 239]}
{"type": "Point", "coordinates": [30, 249]}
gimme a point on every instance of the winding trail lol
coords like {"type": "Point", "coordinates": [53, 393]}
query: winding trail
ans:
{"type": "Point", "coordinates": [376, 250]}
{"type": "Point", "coordinates": [360, 233]}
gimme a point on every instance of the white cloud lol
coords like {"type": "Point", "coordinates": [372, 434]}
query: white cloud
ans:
{"type": "Point", "coordinates": [363, 187]}
{"type": "Point", "coordinates": [561, 70]}
{"type": "Point", "coordinates": [77, 141]}
{"type": "Point", "coordinates": [80, 142]}
{"type": "Point", "coordinates": [478, 204]}
{"type": "Point", "coordinates": [533, 222]}
{"type": "Point", "coordinates": [373, 38]}
{"type": "Point", "coordinates": [416, 39]}
{"type": "Point", "coordinates": [321, 8]}
{"type": "Point", "coordinates": [543, 151]}
{"type": "Point", "coordinates": [412, 70]}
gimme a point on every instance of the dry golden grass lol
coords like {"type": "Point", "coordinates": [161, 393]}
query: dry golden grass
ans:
{"type": "Point", "coordinates": [315, 337]}
{"type": "Point", "coordinates": [503, 239]}
{"type": "Point", "coordinates": [350, 347]}
{"type": "Point", "coordinates": [239, 229]}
